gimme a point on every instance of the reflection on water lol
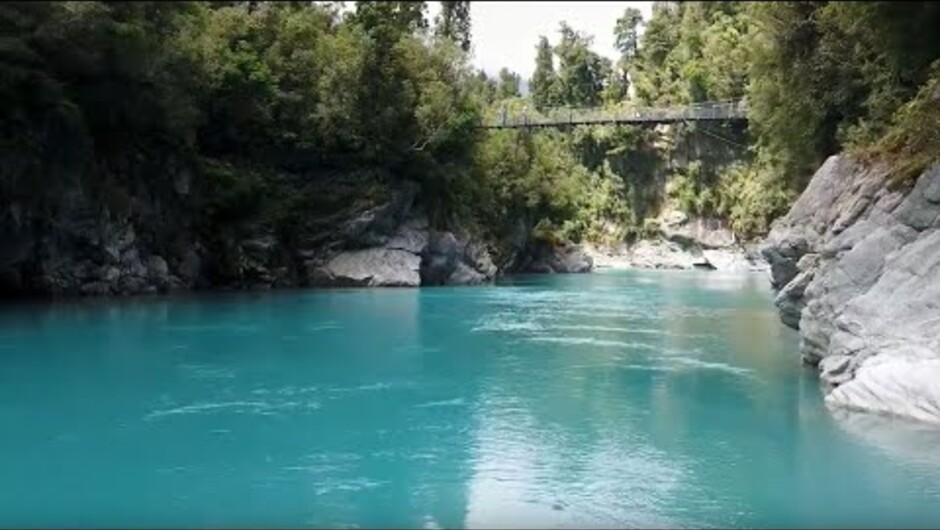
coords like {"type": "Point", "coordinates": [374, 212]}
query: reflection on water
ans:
{"type": "Point", "coordinates": [907, 442]}
{"type": "Point", "coordinates": [618, 399]}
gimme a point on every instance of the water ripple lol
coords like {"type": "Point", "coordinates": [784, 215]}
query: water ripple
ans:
{"type": "Point", "coordinates": [591, 341]}
{"type": "Point", "coordinates": [264, 408]}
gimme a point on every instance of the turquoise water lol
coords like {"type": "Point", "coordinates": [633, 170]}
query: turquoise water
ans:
{"type": "Point", "coordinates": [616, 399]}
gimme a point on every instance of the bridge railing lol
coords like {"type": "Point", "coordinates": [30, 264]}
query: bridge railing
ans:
{"type": "Point", "coordinates": [708, 110]}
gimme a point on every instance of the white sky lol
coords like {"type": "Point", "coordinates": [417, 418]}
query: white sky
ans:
{"type": "Point", "coordinates": [505, 33]}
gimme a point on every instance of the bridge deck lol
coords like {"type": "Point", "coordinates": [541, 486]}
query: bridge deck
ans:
{"type": "Point", "coordinates": [707, 111]}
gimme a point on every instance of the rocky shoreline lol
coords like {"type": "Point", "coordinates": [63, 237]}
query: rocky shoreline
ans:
{"type": "Point", "coordinates": [684, 243]}
{"type": "Point", "coordinates": [88, 250]}
{"type": "Point", "coordinates": [661, 254]}
{"type": "Point", "coordinates": [857, 269]}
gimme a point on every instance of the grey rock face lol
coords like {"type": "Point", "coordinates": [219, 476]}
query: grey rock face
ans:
{"type": "Point", "coordinates": [396, 263]}
{"type": "Point", "coordinates": [704, 232]}
{"type": "Point", "coordinates": [440, 258]}
{"type": "Point", "coordinates": [474, 263]}
{"type": "Point", "coordinates": [571, 259]}
{"type": "Point", "coordinates": [858, 272]}
{"type": "Point", "coordinates": [374, 267]}
{"type": "Point", "coordinates": [152, 247]}
{"type": "Point", "coordinates": [465, 275]}
{"type": "Point", "coordinates": [373, 227]}
{"type": "Point", "coordinates": [411, 256]}
{"type": "Point", "coordinates": [412, 236]}
{"type": "Point", "coordinates": [479, 258]}
{"type": "Point", "coordinates": [559, 259]}
{"type": "Point", "coordinates": [790, 299]}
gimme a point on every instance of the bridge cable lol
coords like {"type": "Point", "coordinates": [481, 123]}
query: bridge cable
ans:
{"type": "Point", "coordinates": [722, 138]}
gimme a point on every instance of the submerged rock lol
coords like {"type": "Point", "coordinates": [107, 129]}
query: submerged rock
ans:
{"type": "Point", "coordinates": [857, 267]}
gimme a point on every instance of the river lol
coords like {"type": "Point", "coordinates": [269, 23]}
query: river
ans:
{"type": "Point", "coordinates": [620, 398]}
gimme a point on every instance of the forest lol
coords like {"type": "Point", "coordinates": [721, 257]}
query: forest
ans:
{"type": "Point", "coordinates": [272, 109]}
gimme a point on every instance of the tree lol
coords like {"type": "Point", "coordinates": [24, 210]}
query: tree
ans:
{"type": "Point", "coordinates": [655, 72]}
{"type": "Point", "coordinates": [543, 84]}
{"type": "Point", "coordinates": [453, 22]}
{"type": "Point", "coordinates": [626, 39]}
{"type": "Point", "coordinates": [581, 72]}
{"type": "Point", "coordinates": [391, 20]}
{"type": "Point", "coordinates": [616, 85]}
{"type": "Point", "coordinates": [626, 33]}
{"type": "Point", "coordinates": [508, 84]}
{"type": "Point", "coordinates": [483, 88]}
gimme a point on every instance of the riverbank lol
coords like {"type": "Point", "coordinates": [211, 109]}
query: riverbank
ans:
{"type": "Point", "coordinates": [661, 254]}
{"type": "Point", "coordinates": [682, 242]}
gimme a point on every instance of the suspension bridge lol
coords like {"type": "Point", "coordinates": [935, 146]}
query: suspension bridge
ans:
{"type": "Point", "coordinates": [704, 111]}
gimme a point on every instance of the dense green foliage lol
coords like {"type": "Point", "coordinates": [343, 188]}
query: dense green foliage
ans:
{"type": "Point", "coordinates": [271, 104]}
{"type": "Point", "coordinates": [820, 77]}
{"type": "Point", "coordinates": [96, 90]}
{"type": "Point", "coordinates": [827, 75]}
{"type": "Point", "coordinates": [453, 22]}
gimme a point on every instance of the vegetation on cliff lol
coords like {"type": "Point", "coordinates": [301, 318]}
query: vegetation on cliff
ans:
{"type": "Point", "coordinates": [277, 113]}
{"type": "Point", "coordinates": [819, 77]}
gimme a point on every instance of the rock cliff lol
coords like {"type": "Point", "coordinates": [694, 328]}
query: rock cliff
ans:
{"type": "Point", "coordinates": [78, 244]}
{"type": "Point", "coordinates": [86, 248]}
{"type": "Point", "coordinates": [856, 266]}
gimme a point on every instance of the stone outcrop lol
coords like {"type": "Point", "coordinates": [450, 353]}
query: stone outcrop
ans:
{"type": "Point", "coordinates": [857, 269]}
{"type": "Point", "coordinates": [685, 243]}
{"type": "Point", "coordinates": [87, 251]}
{"type": "Point", "coordinates": [374, 267]}
{"type": "Point", "coordinates": [413, 255]}
{"type": "Point", "coordinates": [701, 232]}
{"type": "Point", "coordinates": [566, 258]}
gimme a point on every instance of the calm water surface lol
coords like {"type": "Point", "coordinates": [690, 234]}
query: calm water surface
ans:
{"type": "Point", "coordinates": [666, 399]}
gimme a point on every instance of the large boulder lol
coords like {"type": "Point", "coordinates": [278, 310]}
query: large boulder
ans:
{"type": "Point", "coordinates": [397, 263]}
{"type": "Point", "coordinates": [412, 255]}
{"type": "Point", "coordinates": [705, 232]}
{"type": "Point", "coordinates": [473, 264]}
{"type": "Point", "coordinates": [567, 258]}
{"type": "Point", "coordinates": [373, 267]}
{"type": "Point", "coordinates": [466, 275]}
{"type": "Point", "coordinates": [857, 266]}
{"type": "Point", "coordinates": [476, 265]}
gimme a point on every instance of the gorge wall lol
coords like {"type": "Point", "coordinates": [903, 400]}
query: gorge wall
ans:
{"type": "Point", "coordinates": [857, 269]}
{"type": "Point", "coordinates": [157, 246]}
